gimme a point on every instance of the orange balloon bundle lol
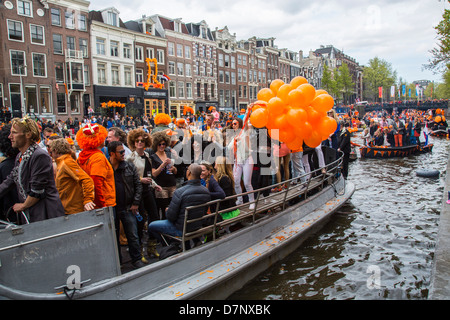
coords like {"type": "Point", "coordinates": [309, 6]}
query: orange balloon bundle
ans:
{"type": "Point", "coordinates": [294, 113]}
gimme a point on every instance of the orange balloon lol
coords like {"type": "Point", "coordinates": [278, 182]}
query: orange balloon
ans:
{"type": "Point", "coordinates": [259, 117]}
{"type": "Point", "coordinates": [296, 99]}
{"type": "Point", "coordinates": [281, 122]}
{"type": "Point", "coordinates": [287, 134]}
{"type": "Point", "coordinates": [283, 92]}
{"type": "Point", "coordinates": [438, 119]}
{"type": "Point", "coordinates": [275, 85]}
{"type": "Point", "coordinates": [297, 81]}
{"type": "Point", "coordinates": [296, 117]}
{"type": "Point", "coordinates": [276, 107]}
{"type": "Point", "coordinates": [320, 91]}
{"type": "Point", "coordinates": [313, 115]}
{"type": "Point", "coordinates": [326, 126]}
{"type": "Point", "coordinates": [304, 130]}
{"type": "Point", "coordinates": [309, 93]}
{"type": "Point", "coordinates": [314, 140]}
{"type": "Point", "coordinates": [265, 94]}
{"type": "Point", "coordinates": [259, 104]}
{"type": "Point", "coordinates": [323, 103]}
{"type": "Point", "coordinates": [295, 145]}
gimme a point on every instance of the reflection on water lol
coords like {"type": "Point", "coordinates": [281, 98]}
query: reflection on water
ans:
{"type": "Point", "coordinates": [380, 245]}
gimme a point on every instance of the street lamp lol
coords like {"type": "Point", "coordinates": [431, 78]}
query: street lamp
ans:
{"type": "Point", "coordinates": [22, 97]}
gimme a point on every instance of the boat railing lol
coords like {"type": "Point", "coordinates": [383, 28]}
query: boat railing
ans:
{"type": "Point", "coordinates": [265, 202]}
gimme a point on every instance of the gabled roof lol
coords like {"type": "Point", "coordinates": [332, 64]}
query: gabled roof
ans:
{"type": "Point", "coordinates": [194, 30]}
{"type": "Point", "coordinates": [168, 24]}
{"type": "Point", "coordinates": [97, 16]}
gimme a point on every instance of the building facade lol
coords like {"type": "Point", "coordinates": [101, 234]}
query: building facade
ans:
{"type": "Point", "coordinates": [44, 63]}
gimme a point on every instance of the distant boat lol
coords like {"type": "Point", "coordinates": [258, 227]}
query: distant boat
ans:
{"type": "Point", "coordinates": [374, 152]}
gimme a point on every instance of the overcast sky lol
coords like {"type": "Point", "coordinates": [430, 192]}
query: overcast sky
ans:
{"type": "Point", "coordinates": [398, 31]}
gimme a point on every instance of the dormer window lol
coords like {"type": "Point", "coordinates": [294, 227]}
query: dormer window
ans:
{"type": "Point", "coordinates": [148, 28]}
{"type": "Point", "coordinates": [112, 19]}
{"type": "Point", "coordinates": [177, 26]}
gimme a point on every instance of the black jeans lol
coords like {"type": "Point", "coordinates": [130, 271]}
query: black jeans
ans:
{"type": "Point", "coordinates": [129, 223]}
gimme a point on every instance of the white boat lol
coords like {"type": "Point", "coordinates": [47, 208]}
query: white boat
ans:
{"type": "Point", "coordinates": [75, 257]}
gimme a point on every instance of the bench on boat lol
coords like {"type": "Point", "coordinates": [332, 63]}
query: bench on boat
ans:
{"type": "Point", "coordinates": [262, 205]}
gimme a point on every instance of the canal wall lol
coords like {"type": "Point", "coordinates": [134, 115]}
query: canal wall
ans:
{"type": "Point", "coordinates": [440, 277]}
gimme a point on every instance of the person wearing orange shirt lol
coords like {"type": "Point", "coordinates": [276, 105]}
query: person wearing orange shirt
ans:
{"type": "Point", "coordinates": [91, 138]}
{"type": "Point", "coordinates": [75, 187]}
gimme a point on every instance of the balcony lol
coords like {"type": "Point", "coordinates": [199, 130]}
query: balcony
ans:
{"type": "Point", "coordinates": [74, 55]}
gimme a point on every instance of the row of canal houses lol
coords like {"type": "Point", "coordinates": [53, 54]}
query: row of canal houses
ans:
{"type": "Point", "coordinates": [58, 58]}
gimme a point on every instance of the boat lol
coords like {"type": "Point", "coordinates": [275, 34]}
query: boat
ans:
{"type": "Point", "coordinates": [76, 256]}
{"type": "Point", "coordinates": [373, 152]}
{"type": "Point", "coordinates": [439, 133]}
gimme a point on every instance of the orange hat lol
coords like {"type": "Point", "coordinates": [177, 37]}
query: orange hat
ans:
{"type": "Point", "coordinates": [70, 141]}
{"type": "Point", "coordinates": [91, 136]}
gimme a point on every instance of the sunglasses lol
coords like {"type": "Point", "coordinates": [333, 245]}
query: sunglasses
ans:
{"type": "Point", "coordinates": [162, 144]}
{"type": "Point", "coordinates": [140, 140]}
{"type": "Point", "coordinates": [121, 152]}
{"type": "Point", "coordinates": [235, 123]}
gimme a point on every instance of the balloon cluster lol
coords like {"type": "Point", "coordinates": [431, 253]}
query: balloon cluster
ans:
{"type": "Point", "coordinates": [294, 113]}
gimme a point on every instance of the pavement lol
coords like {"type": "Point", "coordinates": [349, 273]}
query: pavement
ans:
{"type": "Point", "coordinates": [440, 277]}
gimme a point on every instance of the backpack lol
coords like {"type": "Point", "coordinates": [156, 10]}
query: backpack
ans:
{"type": "Point", "coordinates": [170, 250]}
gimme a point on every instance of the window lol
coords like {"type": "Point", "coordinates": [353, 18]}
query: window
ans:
{"type": "Point", "coordinates": [24, 8]}
{"type": "Point", "coordinates": [70, 19]}
{"type": "Point", "coordinates": [56, 17]}
{"type": "Point", "coordinates": [82, 25]}
{"type": "Point", "coordinates": [18, 63]}
{"type": "Point", "coordinates": [112, 19]}
{"type": "Point", "coordinates": [75, 102]}
{"type": "Point", "coordinates": [188, 70]}
{"type": "Point", "coordinates": [221, 76]}
{"type": "Point", "coordinates": [86, 75]}
{"type": "Point", "coordinates": [189, 90]}
{"type": "Point", "coordinates": [180, 89]}
{"type": "Point", "coordinates": [114, 48]}
{"type": "Point", "coordinates": [57, 44]}
{"type": "Point", "coordinates": [227, 77]}
{"type": "Point", "coordinates": [180, 69]}
{"type": "Point", "coordinates": [139, 52]}
{"type": "Point", "coordinates": [180, 50]}
{"type": "Point", "coordinates": [100, 43]}
{"type": "Point", "coordinates": [61, 102]}
{"type": "Point", "coordinates": [127, 75]}
{"type": "Point", "coordinates": [45, 99]}
{"type": "Point", "coordinates": [15, 31]}
{"type": "Point", "coordinates": [37, 34]}
{"type": "Point", "coordinates": [59, 71]}
{"type": "Point", "coordinates": [227, 60]}
{"type": "Point", "coordinates": [171, 68]}
{"type": "Point", "coordinates": [172, 89]}
{"type": "Point", "coordinates": [221, 64]}
{"type": "Point", "coordinates": [39, 65]}
{"type": "Point", "coordinates": [160, 56]}
{"type": "Point", "coordinates": [187, 52]}
{"type": "Point", "coordinates": [101, 73]}
{"type": "Point", "coordinates": [71, 44]}
{"type": "Point", "coordinates": [150, 53]}
{"type": "Point", "coordinates": [171, 49]}
{"type": "Point", "coordinates": [31, 99]}
{"type": "Point", "coordinates": [233, 62]}
{"type": "Point", "coordinates": [127, 51]}
{"type": "Point", "coordinates": [75, 71]}
{"type": "Point", "coordinates": [115, 75]}
{"type": "Point", "coordinates": [84, 47]}
{"type": "Point", "coordinates": [139, 75]}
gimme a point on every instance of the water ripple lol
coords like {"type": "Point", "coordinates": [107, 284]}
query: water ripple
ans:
{"type": "Point", "coordinates": [389, 225]}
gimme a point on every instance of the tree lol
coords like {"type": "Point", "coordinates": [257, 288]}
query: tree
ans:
{"type": "Point", "coordinates": [346, 81]}
{"type": "Point", "coordinates": [377, 74]}
{"type": "Point", "coordinates": [327, 79]}
{"type": "Point", "coordinates": [441, 54]}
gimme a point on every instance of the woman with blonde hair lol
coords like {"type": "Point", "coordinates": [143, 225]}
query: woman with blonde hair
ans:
{"type": "Point", "coordinates": [138, 141]}
{"type": "Point", "coordinates": [225, 178]}
{"type": "Point", "coordinates": [75, 187]}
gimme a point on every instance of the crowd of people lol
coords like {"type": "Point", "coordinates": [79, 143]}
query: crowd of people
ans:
{"type": "Point", "coordinates": [401, 129]}
{"type": "Point", "coordinates": [149, 170]}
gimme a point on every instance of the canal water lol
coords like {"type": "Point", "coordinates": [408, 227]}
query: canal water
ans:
{"type": "Point", "coordinates": [380, 245]}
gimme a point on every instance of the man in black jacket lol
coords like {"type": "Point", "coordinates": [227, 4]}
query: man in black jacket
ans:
{"type": "Point", "coordinates": [191, 193]}
{"type": "Point", "coordinates": [345, 147]}
{"type": "Point", "coordinates": [128, 198]}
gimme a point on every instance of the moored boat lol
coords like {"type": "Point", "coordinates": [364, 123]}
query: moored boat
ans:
{"type": "Point", "coordinates": [373, 152]}
{"type": "Point", "coordinates": [439, 133]}
{"type": "Point", "coordinates": [76, 256]}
